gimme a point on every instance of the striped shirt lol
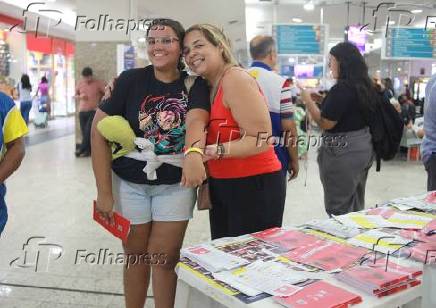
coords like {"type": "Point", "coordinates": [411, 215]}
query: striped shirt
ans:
{"type": "Point", "coordinates": [277, 92]}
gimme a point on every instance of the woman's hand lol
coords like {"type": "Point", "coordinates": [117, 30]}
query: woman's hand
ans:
{"type": "Point", "coordinates": [193, 173]}
{"type": "Point", "coordinates": [108, 89]}
{"type": "Point", "coordinates": [305, 94]}
{"type": "Point", "coordinates": [105, 205]}
{"type": "Point", "coordinates": [210, 152]}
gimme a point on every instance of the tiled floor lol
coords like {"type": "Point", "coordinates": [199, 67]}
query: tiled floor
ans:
{"type": "Point", "coordinates": [50, 197]}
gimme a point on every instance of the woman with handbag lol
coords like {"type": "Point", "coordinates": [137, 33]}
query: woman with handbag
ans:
{"type": "Point", "coordinates": [155, 102]}
{"type": "Point", "coordinates": [247, 188]}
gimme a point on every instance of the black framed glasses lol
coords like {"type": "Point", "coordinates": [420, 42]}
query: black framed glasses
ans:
{"type": "Point", "coordinates": [165, 41]}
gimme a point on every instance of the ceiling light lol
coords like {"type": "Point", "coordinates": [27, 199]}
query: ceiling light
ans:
{"type": "Point", "coordinates": [399, 69]}
{"type": "Point", "coordinates": [141, 40]}
{"type": "Point", "coordinates": [416, 11]}
{"type": "Point", "coordinates": [291, 60]}
{"type": "Point", "coordinates": [297, 20]}
{"type": "Point", "coordinates": [392, 22]}
{"type": "Point", "coordinates": [309, 6]}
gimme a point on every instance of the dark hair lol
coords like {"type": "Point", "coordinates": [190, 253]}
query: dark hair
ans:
{"type": "Point", "coordinates": [44, 79]}
{"type": "Point", "coordinates": [25, 82]}
{"type": "Point", "coordinates": [261, 47]}
{"type": "Point", "coordinates": [177, 28]}
{"type": "Point", "coordinates": [87, 72]}
{"type": "Point", "coordinates": [353, 72]}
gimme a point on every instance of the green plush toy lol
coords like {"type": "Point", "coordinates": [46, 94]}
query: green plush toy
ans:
{"type": "Point", "coordinates": [117, 131]}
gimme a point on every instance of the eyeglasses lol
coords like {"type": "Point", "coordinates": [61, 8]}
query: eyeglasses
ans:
{"type": "Point", "coordinates": [166, 41]}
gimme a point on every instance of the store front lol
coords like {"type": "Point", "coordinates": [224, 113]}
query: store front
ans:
{"type": "Point", "coordinates": [53, 58]}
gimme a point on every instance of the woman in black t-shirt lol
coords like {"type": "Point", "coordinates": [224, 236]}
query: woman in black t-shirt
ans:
{"type": "Point", "coordinates": [157, 104]}
{"type": "Point", "coordinates": [346, 151]}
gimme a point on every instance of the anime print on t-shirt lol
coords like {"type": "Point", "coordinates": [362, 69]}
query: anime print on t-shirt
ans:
{"type": "Point", "coordinates": [162, 119]}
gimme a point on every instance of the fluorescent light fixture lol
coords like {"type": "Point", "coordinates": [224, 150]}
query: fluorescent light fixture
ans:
{"type": "Point", "coordinates": [297, 20]}
{"type": "Point", "coordinates": [416, 11]}
{"type": "Point", "coordinates": [309, 6]}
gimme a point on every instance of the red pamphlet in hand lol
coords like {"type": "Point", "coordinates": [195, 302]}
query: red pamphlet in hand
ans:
{"type": "Point", "coordinates": [121, 227]}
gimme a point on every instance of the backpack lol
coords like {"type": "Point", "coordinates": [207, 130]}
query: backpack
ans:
{"type": "Point", "coordinates": [386, 126]}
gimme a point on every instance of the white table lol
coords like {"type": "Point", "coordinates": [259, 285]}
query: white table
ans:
{"type": "Point", "coordinates": [194, 292]}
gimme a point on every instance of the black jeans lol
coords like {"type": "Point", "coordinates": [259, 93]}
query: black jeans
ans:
{"type": "Point", "coordinates": [85, 118]}
{"type": "Point", "coordinates": [246, 205]}
{"type": "Point", "coordinates": [430, 167]}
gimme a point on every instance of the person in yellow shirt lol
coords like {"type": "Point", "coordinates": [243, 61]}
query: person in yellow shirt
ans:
{"type": "Point", "coordinates": [12, 147]}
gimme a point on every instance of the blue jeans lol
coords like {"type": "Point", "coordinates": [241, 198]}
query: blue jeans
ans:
{"type": "Point", "coordinates": [25, 110]}
{"type": "Point", "coordinates": [3, 209]}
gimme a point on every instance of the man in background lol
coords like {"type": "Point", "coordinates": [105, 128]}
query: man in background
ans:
{"type": "Point", "coordinates": [276, 90]}
{"type": "Point", "coordinates": [428, 147]}
{"type": "Point", "coordinates": [89, 92]}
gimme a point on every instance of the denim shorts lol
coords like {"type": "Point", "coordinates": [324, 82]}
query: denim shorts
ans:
{"type": "Point", "coordinates": [142, 203]}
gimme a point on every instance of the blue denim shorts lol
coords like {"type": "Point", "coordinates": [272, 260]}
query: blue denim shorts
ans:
{"type": "Point", "coordinates": [142, 203]}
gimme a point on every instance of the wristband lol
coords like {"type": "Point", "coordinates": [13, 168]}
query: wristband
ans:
{"type": "Point", "coordinates": [195, 150]}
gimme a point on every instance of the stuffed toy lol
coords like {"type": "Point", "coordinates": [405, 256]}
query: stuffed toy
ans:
{"type": "Point", "coordinates": [118, 132]}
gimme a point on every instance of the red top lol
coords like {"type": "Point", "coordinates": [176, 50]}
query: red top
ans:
{"type": "Point", "coordinates": [223, 128]}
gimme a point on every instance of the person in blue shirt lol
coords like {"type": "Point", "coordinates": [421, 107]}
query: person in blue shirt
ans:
{"type": "Point", "coordinates": [428, 147]}
{"type": "Point", "coordinates": [278, 94]}
{"type": "Point", "coordinates": [12, 147]}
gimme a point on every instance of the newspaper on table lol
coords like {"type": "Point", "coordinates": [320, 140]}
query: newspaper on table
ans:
{"type": "Point", "coordinates": [207, 277]}
{"type": "Point", "coordinates": [327, 255]}
{"type": "Point", "coordinates": [363, 221]}
{"type": "Point", "coordinates": [401, 219]}
{"type": "Point", "coordinates": [421, 252]}
{"type": "Point", "coordinates": [332, 227]}
{"type": "Point", "coordinates": [211, 258]}
{"type": "Point", "coordinates": [425, 202]}
{"type": "Point", "coordinates": [379, 241]}
{"type": "Point", "coordinates": [250, 249]}
{"type": "Point", "coordinates": [320, 294]}
{"type": "Point", "coordinates": [286, 238]}
{"type": "Point", "coordinates": [270, 277]}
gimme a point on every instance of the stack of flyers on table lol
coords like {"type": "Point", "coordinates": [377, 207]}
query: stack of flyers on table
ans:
{"type": "Point", "coordinates": [402, 220]}
{"type": "Point", "coordinates": [270, 277]}
{"type": "Point", "coordinates": [333, 227]}
{"type": "Point", "coordinates": [208, 278]}
{"type": "Point", "coordinates": [421, 252]}
{"type": "Point", "coordinates": [288, 239]}
{"type": "Point", "coordinates": [380, 241]}
{"type": "Point", "coordinates": [211, 258]}
{"type": "Point", "coordinates": [430, 228]}
{"type": "Point", "coordinates": [320, 294]}
{"type": "Point", "coordinates": [425, 202]}
{"type": "Point", "coordinates": [250, 249]}
{"type": "Point", "coordinates": [363, 221]}
{"type": "Point", "coordinates": [326, 255]}
{"type": "Point", "coordinates": [380, 279]}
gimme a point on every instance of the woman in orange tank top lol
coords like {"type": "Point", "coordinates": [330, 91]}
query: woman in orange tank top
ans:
{"type": "Point", "coordinates": [246, 186]}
